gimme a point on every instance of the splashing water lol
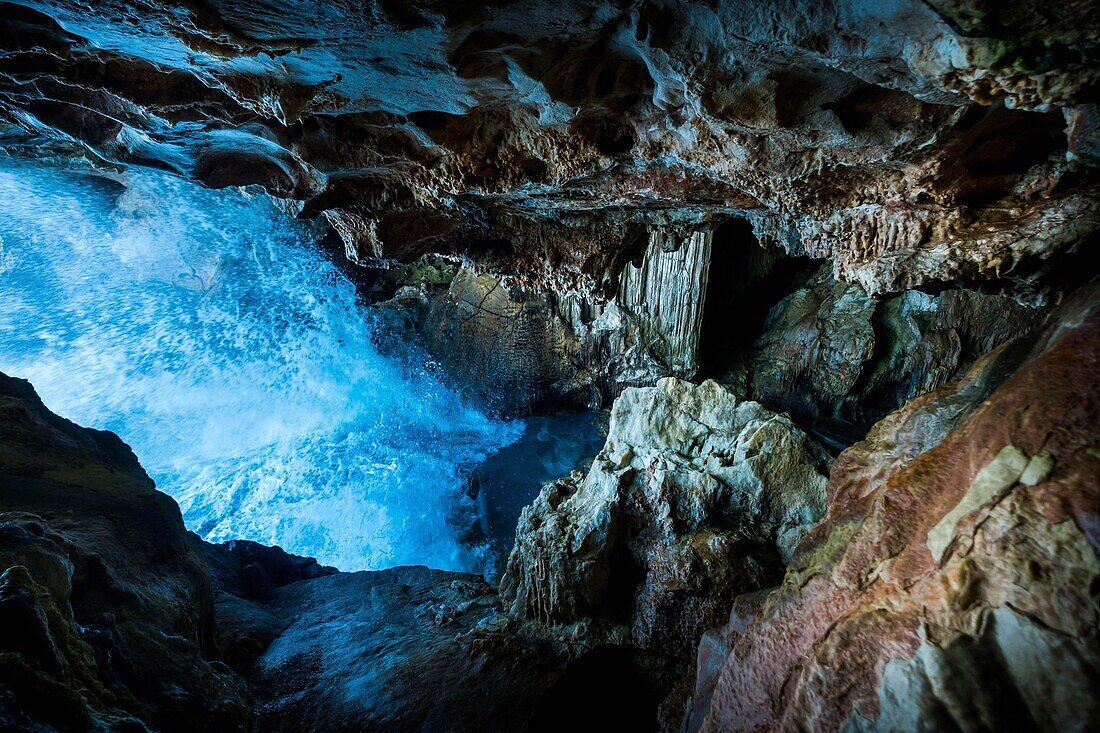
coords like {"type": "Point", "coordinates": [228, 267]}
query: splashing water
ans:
{"type": "Point", "coordinates": [211, 333]}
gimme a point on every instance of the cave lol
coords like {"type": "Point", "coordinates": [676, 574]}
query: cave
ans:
{"type": "Point", "coordinates": [745, 281]}
{"type": "Point", "coordinates": [665, 366]}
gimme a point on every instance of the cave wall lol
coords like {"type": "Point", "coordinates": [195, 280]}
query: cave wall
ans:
{"type": "Point", "coordinates": [522, 349]}
{"type": "Point", "coordinates": [912, 144]}
{"type": "Point", "coordinates": [950, 584]}
{"type": "Point", "coordinates": [833, 209]}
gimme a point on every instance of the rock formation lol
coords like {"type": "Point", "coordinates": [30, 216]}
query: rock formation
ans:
{"type": "Point", "coordinates": [829, 350]}
{"type": "Point", "coordinates": [545, 349]}
{"type": "Point", "coordinates": [763, 233]}
{"type": "Point", "coordinates": [913, 144]}
{"type": "Point", "coordinates": [108, 609]}
{"type": "Point", "coordinates": [696, 497]}
{"type": "Point", "coordinates": [109, 619]}
{"type": "Point", "coordinates": [951, 584]}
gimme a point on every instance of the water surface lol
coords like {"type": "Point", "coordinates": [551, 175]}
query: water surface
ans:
{"type": "Point", "coordinates": [213, 334]}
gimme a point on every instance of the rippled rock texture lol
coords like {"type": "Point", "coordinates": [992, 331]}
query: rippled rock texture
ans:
{"type": "Point", "coordinates": [951, 584]}
{"type": "Point", "coordinates": [910, 143]}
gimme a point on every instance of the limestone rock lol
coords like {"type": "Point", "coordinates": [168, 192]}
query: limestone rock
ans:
{"type": "Point", "coordinates": [522, 349]}
{"type": "Point", "coordinates": [951, 582]}
{"type": "Point", "coordinates": [914, 144]}
{"type": "Point", "coordinates": [830, 351]}
{"type": "Point", "coordinates": [697, 496]}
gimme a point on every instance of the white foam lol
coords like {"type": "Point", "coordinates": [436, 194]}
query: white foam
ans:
{"type": "Point", "coordinates": [208, 330]}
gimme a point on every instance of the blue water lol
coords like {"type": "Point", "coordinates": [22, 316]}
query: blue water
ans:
{"type": "Point", "coordinates": [211, 333]}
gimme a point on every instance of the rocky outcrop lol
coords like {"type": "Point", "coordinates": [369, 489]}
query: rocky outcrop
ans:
{"type": "Point", "coordinates": [109, 619]}
{"type": "Point", "coordinates": [521, 349]}
{"type": "Point", "coordinates": [403, 649]}
{"type": "Point", "coordinates": [951, 583]}
{"type": "Point", "coordinates": [830, 351]}
{"type": "Point", "coordinates": [107, 609]}
{"type": "Point", "coordinates": [696, 497]}
{"type": "Point", "coordinates": [913, 144]}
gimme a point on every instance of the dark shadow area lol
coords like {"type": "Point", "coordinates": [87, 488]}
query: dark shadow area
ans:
{"type": "Point", "coordinates": [604, 690]}
{"type": "Point", "coordinates": [510, 479]}
{"type": "Point", "coordinates": [746, 279]}
{"type": "Point", "coordinates": [992, 148]}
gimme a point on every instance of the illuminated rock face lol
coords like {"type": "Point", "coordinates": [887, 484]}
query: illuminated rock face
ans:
{"type": "Point", "coordinates": [950, 584]}
{"type": "Point", "coordinates": [697, 496]}
{"type": "Point", "coordinates": [825, 214]}
{"type": "Point", "coordinates": [910, 143]}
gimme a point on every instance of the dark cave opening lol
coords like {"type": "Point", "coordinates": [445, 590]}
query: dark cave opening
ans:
{"type": "Point", "coordinates": [746, 279]}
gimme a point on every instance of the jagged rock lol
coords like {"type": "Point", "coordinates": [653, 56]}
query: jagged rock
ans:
{"type": "Point", "coordinates": [108, 613]}
{"type": "Point", "coordinates": [521, 349]}
{"type": "Point", "coordinates": [911, 143]}
{"type": "Point", "coordinates": [830, 351]}
{"type": "Point", "coordinates": [109, 619]}
{"type": "Point", "coordinates": [697, 496]}
{"type": "Point", "coordinates": [951, 583]}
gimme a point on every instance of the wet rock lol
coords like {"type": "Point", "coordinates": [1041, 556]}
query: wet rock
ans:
{"type": "Point", "coordinates": [950, 584]}
{"type": "Point", "coordinates": [697, 496]}
{"type": "Point", "coordinates": [244, 574]}
{"type": "Point", "coordinates": [397, 650]}
{"type": "Point", "coordinates": [108, 612]}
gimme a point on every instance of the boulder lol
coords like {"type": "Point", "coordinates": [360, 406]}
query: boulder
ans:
{"type": "Point", "coordinates": [697, 496]}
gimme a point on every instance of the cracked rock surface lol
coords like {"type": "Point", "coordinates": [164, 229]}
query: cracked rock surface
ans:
{"type": "Point", "coordinates": [951, 582]}
{"type": "Point", "coordinates": [910, 143]}
{"type": "Point", "coordinates": [697, 496]}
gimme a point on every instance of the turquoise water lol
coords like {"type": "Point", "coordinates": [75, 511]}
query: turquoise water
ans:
{"type": "Point", "coordinates": [211, 333]}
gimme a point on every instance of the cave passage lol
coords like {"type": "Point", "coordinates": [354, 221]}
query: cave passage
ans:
{"type": "Point", "coordinates": [215, 336]}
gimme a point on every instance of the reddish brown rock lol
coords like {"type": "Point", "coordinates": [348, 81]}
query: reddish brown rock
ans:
{"type": "Point", "coordinates": [951, 583]}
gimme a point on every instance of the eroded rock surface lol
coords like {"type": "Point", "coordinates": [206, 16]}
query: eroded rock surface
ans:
{"type": "Point", "coordinates": [522, 349]}
{"type": "Point", "coordinates": [696, 497]}
{"type": "Point", "coordinates": [107, 608]}
{"type": "Point", "coordinates": [911, 143]}
{"type": "Point", "coordinates": [951, 585]}
{"type": "Point", "coordinates": [830, 351]}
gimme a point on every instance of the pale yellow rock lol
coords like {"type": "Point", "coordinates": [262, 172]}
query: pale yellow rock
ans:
{"type": "Point", "coordinates": [1038, 469]}
{"type": "Point", "coordinates": [999, 474]}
